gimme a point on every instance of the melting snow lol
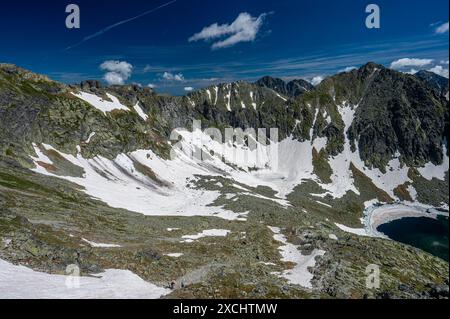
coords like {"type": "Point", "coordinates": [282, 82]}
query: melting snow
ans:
{"type": "Point", "coordinates": [284, 99]}
{"type": "Point", "coordinates": [101, 104]}
{"type": "Point", "coordinates": [41, 157]}
{"type": "Point", "coordinates": [99, 245]}
{"type": "Point", "coordinates": [140, 112]}
{"type": "Point", "coordinates": [342, 178]}
{"type": "Point", "coordinates": [206, 233]}
{"type": "Point", "coordinates": [333, 236]}
{"type": "Point", "coordinates": [175, 255]}
{"type": "Point", "coordinates": [120, 185]}
{"type": "Point", "coordinates": [375, 216]}
{"type": "Point", "coordinates": [19, 282]}
{"type": "Point", "coordinates": [90, 138]}
{"type": "Point", "coordinates": [356, 231]}
{"type": "Point", "coordinates": [299, 275]}
{"type": "Point", "coordinates": [216, 89]}
{"type": "Point", "coordinates": [281, 166]}
{"type": "Point", "coordinates": [431, 171]}
{"type": "Point", "coordinates": [320, 143]}
{"type": "Point", "coordinates": [228, 99]}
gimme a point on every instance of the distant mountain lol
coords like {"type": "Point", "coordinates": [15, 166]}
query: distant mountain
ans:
{"type": "Point", "coordinates": [396, 113]}
{"type": "Point", "coordinates": [437, 82]}
{"type": "Point", "coordinates": [291, 89]}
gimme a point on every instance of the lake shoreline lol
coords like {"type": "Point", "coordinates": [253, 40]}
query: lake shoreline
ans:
{"type": "Point", "coordinates": [380, 214]}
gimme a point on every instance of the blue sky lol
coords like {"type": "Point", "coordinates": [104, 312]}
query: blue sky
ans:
{"type": "Point", "coordinates": [285, 38]}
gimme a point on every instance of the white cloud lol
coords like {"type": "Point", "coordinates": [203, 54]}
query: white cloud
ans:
{"type": "Point", "coordinates": [173, 77]}
{"type": "Point", "coordinates": [151, 85]}
{"type": "Point", "coordinates": [349, 68]}
{"type": "Point", "coordinates": [444, 62]}
{"type": "Point", "coordinates": [147, 69]}
{"type": "Point", "coordinates": [117, 71]}
{"type": "Point", "coordinates": [189, 89]}
{"type": "Point", "coordinates": [443, 28]}
{"type": "Point", "coordinates": [438, 69]}
{"type": "Point", "coordinates": [412, 71]}
{"type": "Point", "coordinates": [114, 78]}
{"type": "Point", "coordinates": [407, 62]}
{"type": "Point", "coordinates": [316, 80]}
{"type": "Point", "coordinates": [243, 29]}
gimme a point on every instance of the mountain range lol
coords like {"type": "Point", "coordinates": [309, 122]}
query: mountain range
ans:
{"type": "Point", "coordinates": [87, 164]}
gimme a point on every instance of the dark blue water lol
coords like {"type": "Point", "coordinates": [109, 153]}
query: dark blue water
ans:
{"type": "Point", "coordinates": [428, 234]}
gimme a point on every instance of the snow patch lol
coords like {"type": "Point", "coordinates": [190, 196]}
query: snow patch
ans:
{"type": "Point", "coordinates": [333, 236]}
{"type": "Point", "coordinates": [99, 245]}
{"type": "Point", "coordinates": [299, 275]}
{"type": "Point", "coordinates": [430, 170]}
{"type": "Point", "coordinates": [19, 282]}
{"type": "Point", "coordinates": [355, 231]}
{"type": "Point", "coordinates": [174, 255]}
{"type": "Point", "coordinates": [90, 138]}
{"type": "Point", "coordinates": [140, 112]}
{"type": "Point", "coordinates": [206, 233]}
{"type": "Point", "coordinates": [101, 104]}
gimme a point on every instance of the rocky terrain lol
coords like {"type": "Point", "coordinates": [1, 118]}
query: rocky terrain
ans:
{"type": "Point", "coordinates": [87, 178]}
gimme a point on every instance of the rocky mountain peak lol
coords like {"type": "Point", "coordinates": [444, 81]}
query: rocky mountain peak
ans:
{"type": "Point", "coordinates": [22, 74]}
{"type": "Point", "coordinates": [290, 89]}
{"type": "Point", "coordinates": [90, 85]}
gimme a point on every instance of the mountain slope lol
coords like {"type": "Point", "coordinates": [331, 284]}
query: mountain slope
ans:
{"type": "Point", "coordinates": [78, 162]}
{"type": "Point", "coordinates": [291, 89]}
{"type": "Point", "coordinates": [437, 82]}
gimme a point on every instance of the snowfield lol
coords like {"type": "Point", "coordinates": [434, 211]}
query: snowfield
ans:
{"type": "Point", "coordinates": [430, 171]}
{"type": "Point", "coordinates": [19, 282]}
{"type": "Point", "coordinates": [355, 231]}
{"type": "Point", "coordinates": [280, 166]}
{"type": "Point", "coordinates": [300, 274]}
{"type": "Point", "coordinates": [101, 104]}
{"type": "Point", "coordinates": [120, 185]}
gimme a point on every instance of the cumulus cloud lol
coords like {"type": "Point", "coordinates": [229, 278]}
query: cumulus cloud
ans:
{"type": "Point", "coordinates": [440, 70]}
{"type": "Point", "coordinates": [151, 85]}
{"type": "Point", "coordinates": [316, 80]}
{"type": "Point", "coordinates": [443, 28]}
{"type": "Point", "coordinates": [407, 62]}
{"type": "Point", "coordinates": [189, 89]}
{"type": "Point", "coordinates": [173, 77]}
{"type": "Point", "coordinates": [117, 72]}
{"type": "Point", "coordinates": [243, 29]}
